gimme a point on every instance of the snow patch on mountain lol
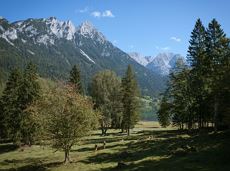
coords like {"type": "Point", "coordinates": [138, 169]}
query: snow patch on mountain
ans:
{"type": "Point", "coordinates": [31, 30]}
{"type": "Point", "coordinates": [1, 28]}
{"type": "Point", "coordinates": [105, 53]}
{"type": "Point", "coordinates": [83, 53]}
{"type": "Point", "coordinates": [67, 61]}
{"type": "Point", "coordinates": [143, 60]}
{"type": "Point", "coordinates": [4, 37]}
{"type": "Point", "coordinates": [31, 52]}
{"type": "Point", "coordinates": [45, 39]}
{"type": "Point", "coordinates": [11, 34]}
{"type": "Point", "coordinates": [163, 63]}
{"type": "Point", "coordinates": [23, 40]}
{"type": "Point", "coordinates": [19, 23]}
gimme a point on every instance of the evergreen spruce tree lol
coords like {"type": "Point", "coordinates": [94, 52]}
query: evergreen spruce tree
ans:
{"type": "Point", "coordinates": [20, 92]}
{"type": "Point", "coordinates": [75, 79]}
{"type": "Point", "coordinates": [164, 112]}
{"type": "Point", "coordinates": [217, 50]}
{"type": "Point", "coordinates": [29, 91]}
{"type": "Point", "coordinates": [11, 108]}
{"type": "Point", "coordinates": [130, 100]}
{"type": "Point", "coordinates": [198, 59]}
{"type": "Point", "coordinates": [29, 88]}
{"type": "Point", "coordinates": [180, 91]}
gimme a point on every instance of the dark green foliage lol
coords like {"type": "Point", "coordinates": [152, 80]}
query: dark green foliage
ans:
{"type": "Point", "coordinates": [20, 92]}
{"type": "Point", "coordinates": [106, 94]}
{"type": "Point", "coordinates": [75, 79]}
{"type": "Point", "coordinates": [200, 94]}
{"type": "Point", "coordinates": [164, 112]}
{"type": "Point", "coordinates": [199, 60]}
{"type": "Point", "coordinates": [10, 111]}
{"type": "Point", "coordinates": [29, 92]}
{"type": "Point", "coordinates": [218, 52]}
{"type": "Point", "coordinates": [131, 106]}
{"type": "Point", "coordinates": [29, 87]}
{"type": "Point", "coordinates": [182, 100]}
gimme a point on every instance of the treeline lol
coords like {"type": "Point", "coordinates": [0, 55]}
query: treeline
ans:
{"type": "Point", "coordinates": [62, 113]}
{"type": "Point", "coordinates": [117, 100]}
{"type": "Point", "coordinates": [198, 94]}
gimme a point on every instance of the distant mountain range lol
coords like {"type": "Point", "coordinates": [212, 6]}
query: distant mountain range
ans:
{"type": "Point", "coordinates": [161, 64]}
{"type": "Point", "coordinates": [55, 46]}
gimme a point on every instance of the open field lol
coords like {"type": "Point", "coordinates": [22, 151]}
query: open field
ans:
{"type": "Point", "coordinates": [148, 148]}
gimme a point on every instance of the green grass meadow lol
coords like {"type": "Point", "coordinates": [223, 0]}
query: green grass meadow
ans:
{"type": "Point", "coordinates": [149, 147]}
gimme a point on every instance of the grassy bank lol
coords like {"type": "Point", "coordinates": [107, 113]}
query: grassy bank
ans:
{"type": "Point", "coordinates": [148, 148]}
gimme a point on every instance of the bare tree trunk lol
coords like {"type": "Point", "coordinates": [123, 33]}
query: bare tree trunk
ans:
{"type": "Point", "coordinates": [67, 159]}
{"type": "Point", "coordinates": [216, 113]}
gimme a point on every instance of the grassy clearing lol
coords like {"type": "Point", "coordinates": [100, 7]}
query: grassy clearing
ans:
{"type": "Point", "coordinates": [148, 148]}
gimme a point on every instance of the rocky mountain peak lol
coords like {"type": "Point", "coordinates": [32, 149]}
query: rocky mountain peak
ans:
{"type": "Point", "coordinates": [88, 30]}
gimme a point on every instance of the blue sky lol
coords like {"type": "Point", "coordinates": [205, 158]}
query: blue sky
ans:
{"type": "Point", "coordinates": [145, 26]}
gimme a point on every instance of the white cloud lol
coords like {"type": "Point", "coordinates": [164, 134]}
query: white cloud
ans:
{"type": "Point", "coordinates": [106, 13]}
{"type": "Point", "coordinates": [96, 14]}
{"type": "Point", "coordinates": [165, 48]}
{"type": "Point", "coordinates": [175, 39]}
{"type": "Point", "coordinates": [84, 10]}
{"type": "Point", "coordinates": [162, 48]}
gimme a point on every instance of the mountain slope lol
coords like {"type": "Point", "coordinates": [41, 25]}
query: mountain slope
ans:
{"type": "Point", "coordinates": [55, 46]}
{"type": "Point", "coordinates": [161, 64]}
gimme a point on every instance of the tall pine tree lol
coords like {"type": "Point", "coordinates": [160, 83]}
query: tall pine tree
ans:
{"type": "Point", "coordinates": [75, 79]}
{"type": "Point", "coordinates": [217, 49]}
{"type": "Point", "coordinates": [20, 92]}
{"type": "Point", "coordinates": [197, 58]}
{"type": "Point", "coordinates": [29, 92]}
{"type": "Point", "coordinates": [130, 100]}
{"type": "Point", "coordinates": [10, 112]}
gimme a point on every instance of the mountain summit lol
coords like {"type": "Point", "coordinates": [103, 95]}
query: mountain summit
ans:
{"type": "Point", "coordinates": [163, 63]}
{"type": "Point", "coordinates": [55, 46]}
{"type": "Point", "coordinates": [160, 64]}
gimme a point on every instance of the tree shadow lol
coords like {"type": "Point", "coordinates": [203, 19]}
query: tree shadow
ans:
{"type": "Point", "coordinates": [35, 165]}
{"type": "Point", "coordinates": [5, 148]}
{"type": "Point", "coordinates": [26, 168]}
{"type": "Point", "coordinates": [210, 152]}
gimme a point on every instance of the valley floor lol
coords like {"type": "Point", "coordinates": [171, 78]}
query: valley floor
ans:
{"type": "Point", "coordinates": [148, 148]}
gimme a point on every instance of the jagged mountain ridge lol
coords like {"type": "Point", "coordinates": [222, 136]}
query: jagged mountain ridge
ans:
{"type": "Point", "coordinates": [55, 46]}
{"type": "Point", "coordinates": [161, 64]}
{"type": "Point", "coordinates": [143, 60]}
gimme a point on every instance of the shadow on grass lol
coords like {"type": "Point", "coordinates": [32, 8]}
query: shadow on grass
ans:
{"type": "Point", "coordinates": [26, 168]}
{"type": "Point", "coordinates": [5, 148]}
{"type": "Point", "coordinates": [92, 149]}
{"type": "Point", "coordinates": [36, 166]}
{"type": "Point", "coordinates": [212, 152]}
